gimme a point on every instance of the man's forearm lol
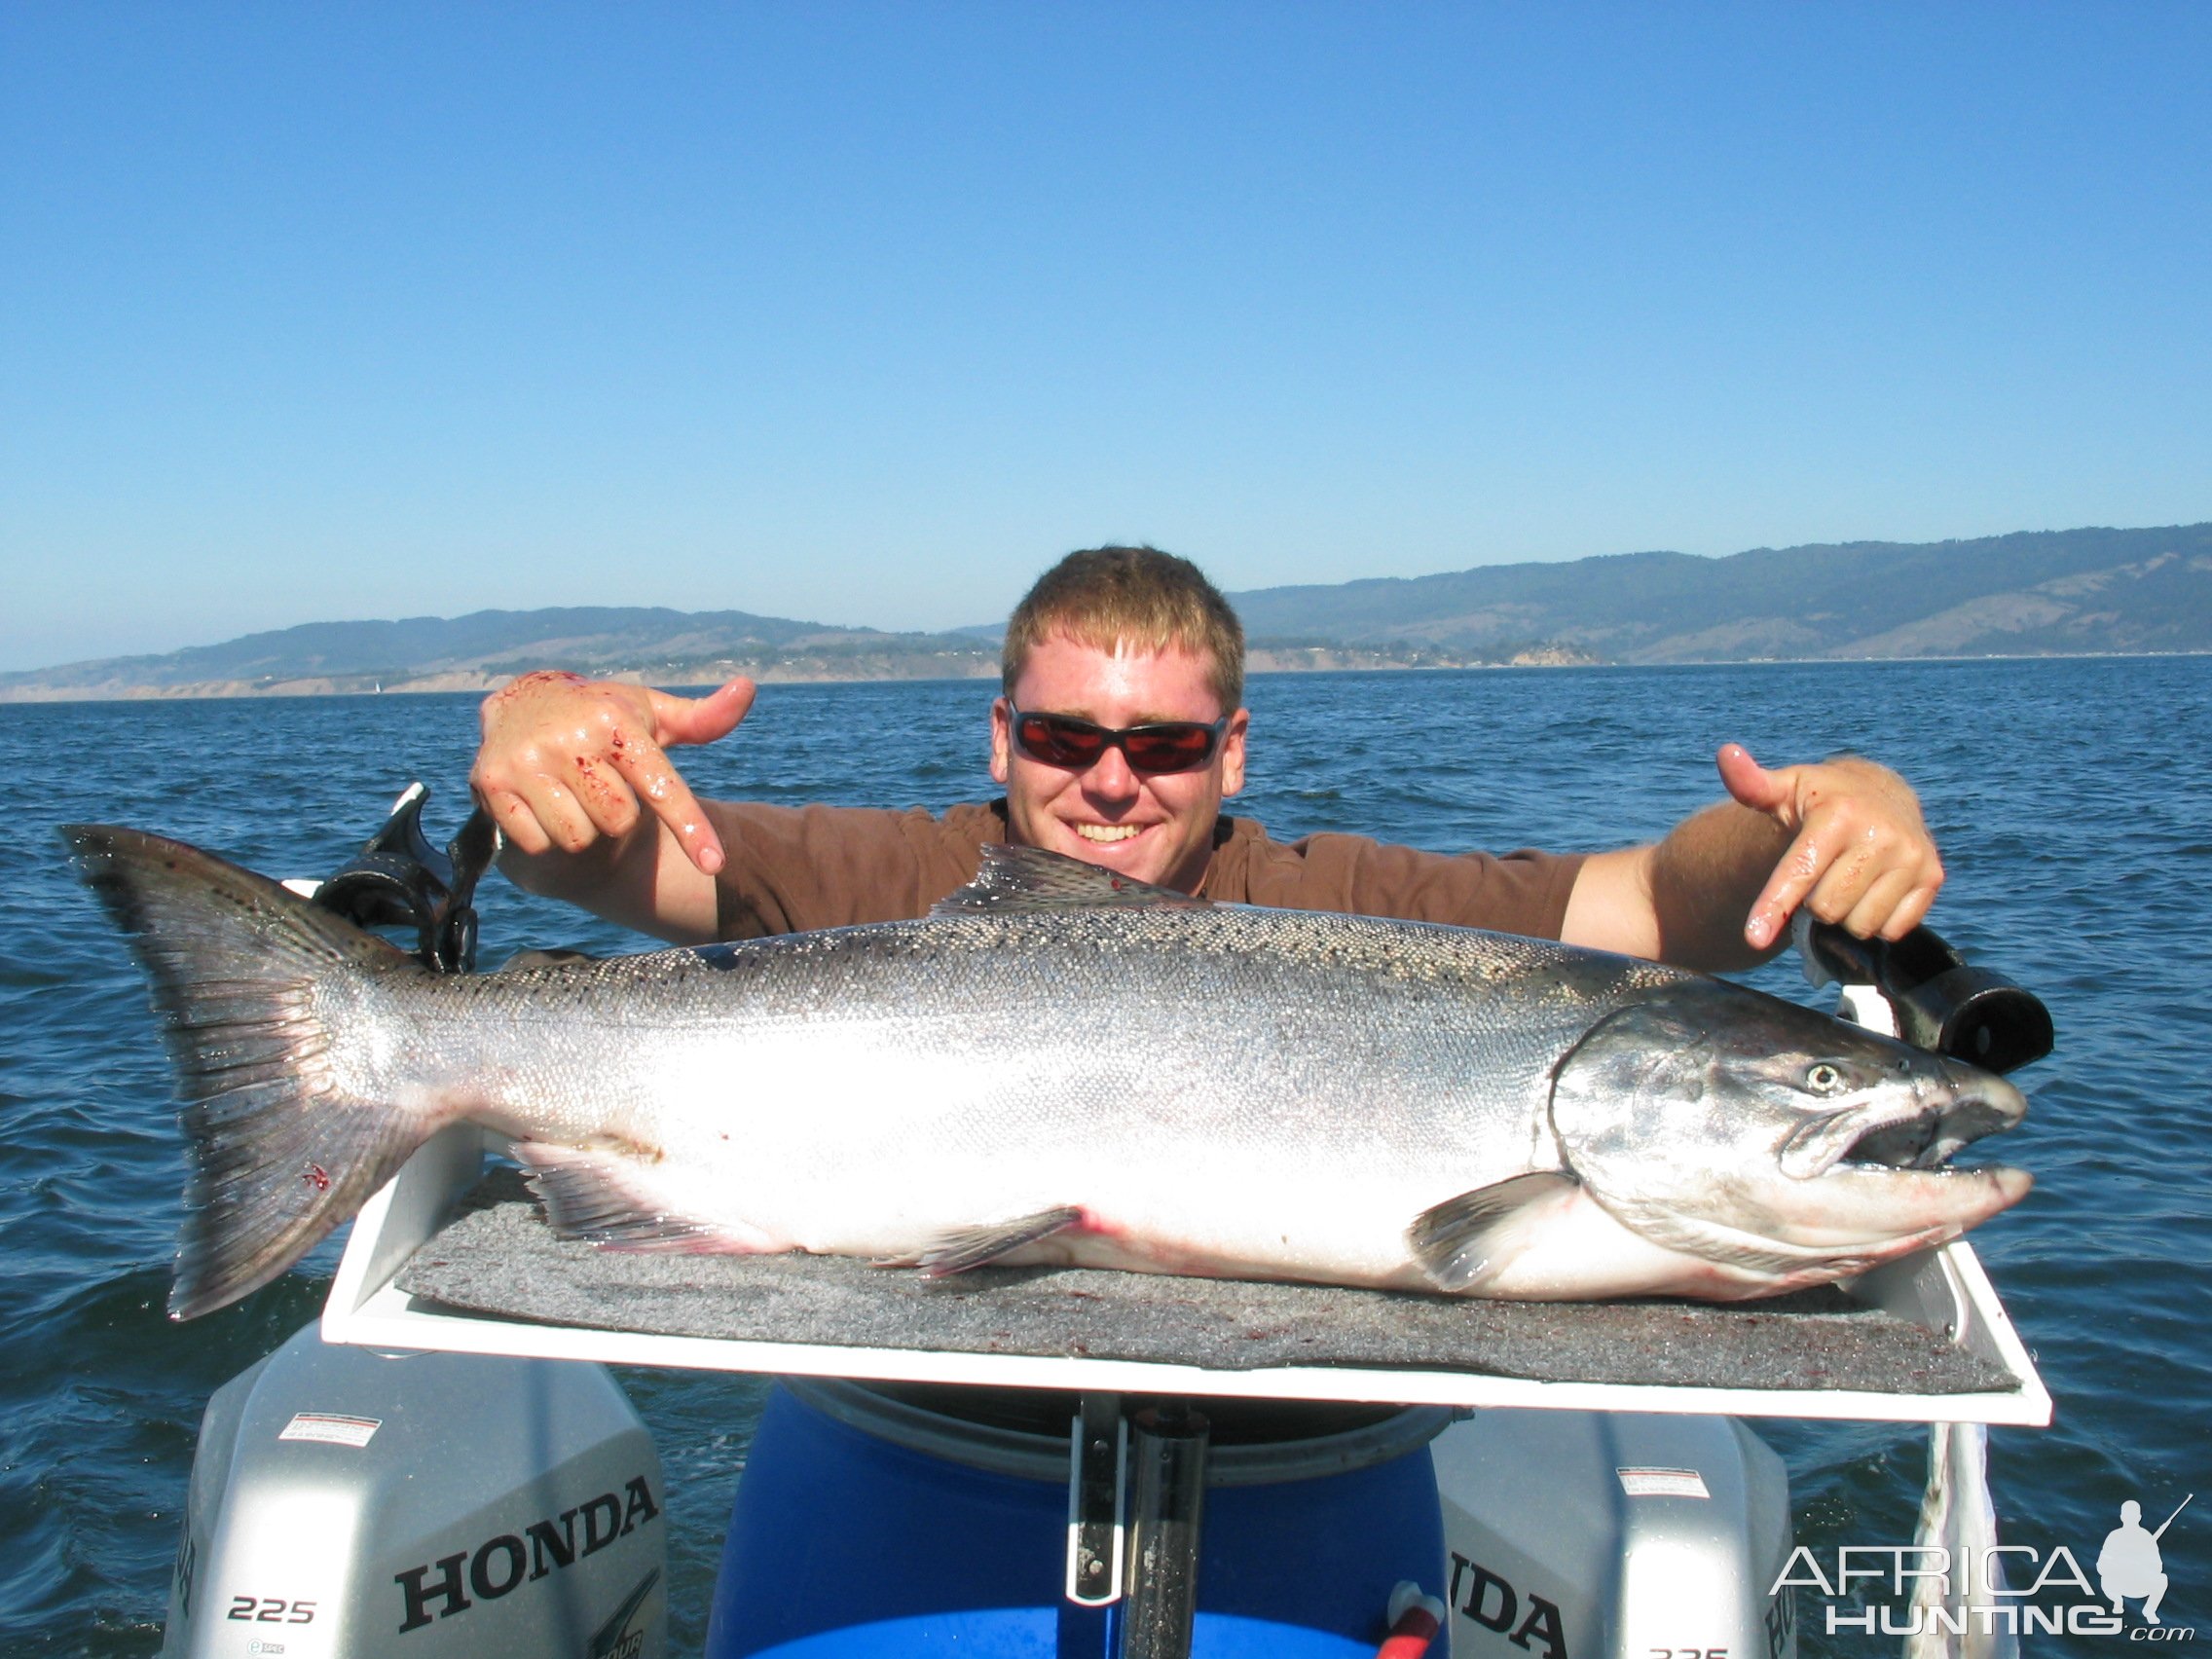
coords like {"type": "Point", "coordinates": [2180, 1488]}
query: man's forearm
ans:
{"type": "Point", "coordinates": [1844, 838]}
{"type": "Point", "coordinates": [1705, 877]}
{"type": "Point", "coordinates": [1683, 900]}
{"type": "Point", "coordinates": [640, 880]}
{"type": "Point", "coordinates": [573, 877]}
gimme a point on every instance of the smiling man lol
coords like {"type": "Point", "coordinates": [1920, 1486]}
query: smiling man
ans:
{"type": "Point", "coordinates": [1117, 735]}
{"type": "Point", "coordinates": [1121, 728]}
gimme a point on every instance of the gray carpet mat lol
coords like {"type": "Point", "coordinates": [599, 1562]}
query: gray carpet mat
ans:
{"type": "Point", "coordinates": [498, 1258]}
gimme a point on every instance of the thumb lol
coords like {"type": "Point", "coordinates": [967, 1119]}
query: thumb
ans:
{"type": "Point", "coordinates": [1751, 783]}
{"type": "Point", "coordinates": [701, 720]}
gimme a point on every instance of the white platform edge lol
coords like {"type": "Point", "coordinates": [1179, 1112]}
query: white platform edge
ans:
{"type": "Point", "coordinates": [1944, 1289]}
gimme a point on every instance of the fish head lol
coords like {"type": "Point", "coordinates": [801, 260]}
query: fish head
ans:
{"type": "Point", "coordinates": [1773, 1146]}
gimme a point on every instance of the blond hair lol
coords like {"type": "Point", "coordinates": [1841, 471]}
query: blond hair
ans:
{"type": "Point", "coordinates": [1116, 598]}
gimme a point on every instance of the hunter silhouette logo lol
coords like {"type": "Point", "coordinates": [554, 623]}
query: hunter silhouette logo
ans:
{"type": "Point", "coordinates": [2129, 1566]}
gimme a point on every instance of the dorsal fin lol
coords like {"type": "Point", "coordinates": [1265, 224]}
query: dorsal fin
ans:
{"type": "Point", "coordinates": [1015, 880]}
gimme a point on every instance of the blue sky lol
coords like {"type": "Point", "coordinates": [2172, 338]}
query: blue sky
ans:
{"type": "Point", "coordinates": [863, 314]}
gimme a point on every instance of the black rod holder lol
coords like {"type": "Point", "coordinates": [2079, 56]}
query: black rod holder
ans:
{"type": "Point", "coordinates": [399, 879]}
{"type": "Point", "coordinates": [1168, 1448]}
{"type": "Point", "coordinates": [1941, 1001]}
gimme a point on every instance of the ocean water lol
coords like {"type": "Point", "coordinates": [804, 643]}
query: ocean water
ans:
{"type": "Point", "coordinates": [2071, 799]}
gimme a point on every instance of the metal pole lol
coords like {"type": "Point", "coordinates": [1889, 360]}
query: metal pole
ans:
{"type": "Point", "coordinates": [1097, 1501]}
{"type": "Point", "coordinates": [1170, 1447]}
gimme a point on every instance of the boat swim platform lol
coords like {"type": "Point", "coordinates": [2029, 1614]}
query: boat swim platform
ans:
{"type": "Point", "coordinates": [454, 1255]}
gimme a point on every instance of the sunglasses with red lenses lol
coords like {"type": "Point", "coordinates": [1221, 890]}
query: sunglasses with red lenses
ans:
{"type": "Point", "coordinates": [1165, 746]}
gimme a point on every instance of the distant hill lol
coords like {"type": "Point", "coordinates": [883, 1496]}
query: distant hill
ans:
{"type": "Point", "coordinates": [2035, 593]}
{"type": "Point", "coordinates": [480, 651]}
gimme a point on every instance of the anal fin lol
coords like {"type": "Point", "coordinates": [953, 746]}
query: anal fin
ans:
{"type": "Point", "coordinates": [1464, 1243]}
{"type": "Point", "coordinates": [974, 1246]}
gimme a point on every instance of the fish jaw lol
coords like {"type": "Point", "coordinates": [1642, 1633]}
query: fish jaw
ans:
{"type": "Point", "coordinates": [1935, 1109]}
{"type": "Point", "coordinates": [1862, 1205]}
{"type": "Point", "coordinates": [1881, 1167]}
{"type": "Point", "coordinates": [1780, 1147]}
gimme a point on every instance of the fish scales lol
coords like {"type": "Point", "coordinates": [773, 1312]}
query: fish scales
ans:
{"type": "Point", "coordinates": [1275, 1009]}
{"type": "Point", "coordinates": [1061, 1067]}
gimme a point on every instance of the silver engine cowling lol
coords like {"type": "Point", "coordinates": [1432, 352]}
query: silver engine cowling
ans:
{"type": "Point", "coordinates": [349, 1502]}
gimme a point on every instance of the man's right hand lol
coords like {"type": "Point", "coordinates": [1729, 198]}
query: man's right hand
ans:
{"type": "Point", "coordinates": [565, 763]}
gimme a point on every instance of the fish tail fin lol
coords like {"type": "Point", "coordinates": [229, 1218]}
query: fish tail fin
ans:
{"type": "Point", "coordinates": [241, 974]}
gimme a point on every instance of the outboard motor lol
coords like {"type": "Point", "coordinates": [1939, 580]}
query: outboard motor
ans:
{"type": "Point", "coordinates": [347, 1503]}
{"type": "Point", "coordinates": [351, 1501]}
{"type": "Point", "coordinates": [1653, 1532]}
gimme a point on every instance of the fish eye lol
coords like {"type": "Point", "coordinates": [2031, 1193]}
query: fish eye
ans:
{"type": "Point", "coordinates": [1824, 1079]}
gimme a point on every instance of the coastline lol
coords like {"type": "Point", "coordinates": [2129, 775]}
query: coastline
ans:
{"type": "Point", "coordinates": [1319, 659]}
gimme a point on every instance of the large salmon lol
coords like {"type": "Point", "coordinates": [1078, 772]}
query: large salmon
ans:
{"type": "Point", "coordinates": [1062, 1066]}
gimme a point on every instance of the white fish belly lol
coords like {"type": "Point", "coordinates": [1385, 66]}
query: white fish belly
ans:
{"type": "Point", "coordinates": [873, 1141]}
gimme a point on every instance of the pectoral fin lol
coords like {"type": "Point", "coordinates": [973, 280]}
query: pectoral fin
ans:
{"type": "Point", "coordinates": [972, 1247]}
{"type": "Point", "coordinates": [1464, 1243]}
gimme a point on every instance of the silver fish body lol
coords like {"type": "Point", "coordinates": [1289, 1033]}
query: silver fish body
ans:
{"type": "Point", "coordinates": [1063, 1069]}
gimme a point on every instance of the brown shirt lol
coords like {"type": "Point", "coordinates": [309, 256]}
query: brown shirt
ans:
{"type": "Point", "coordinates": [792, 869]}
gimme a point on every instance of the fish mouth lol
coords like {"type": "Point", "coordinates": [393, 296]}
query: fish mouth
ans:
{"type": "Point", "coordinates": [1921, 1134]}
{"type": "Point", "coordinates": [1877, 1180]}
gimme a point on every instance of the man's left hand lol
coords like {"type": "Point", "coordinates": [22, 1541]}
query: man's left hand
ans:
{"type": "Point", "coordinates": [1860, 854]}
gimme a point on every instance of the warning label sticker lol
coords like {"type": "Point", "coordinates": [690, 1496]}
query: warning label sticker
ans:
{"type": "Point", "coordinates": [326, 1426]}
{"type": "Point", "coordinates": [1662, 1483]}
